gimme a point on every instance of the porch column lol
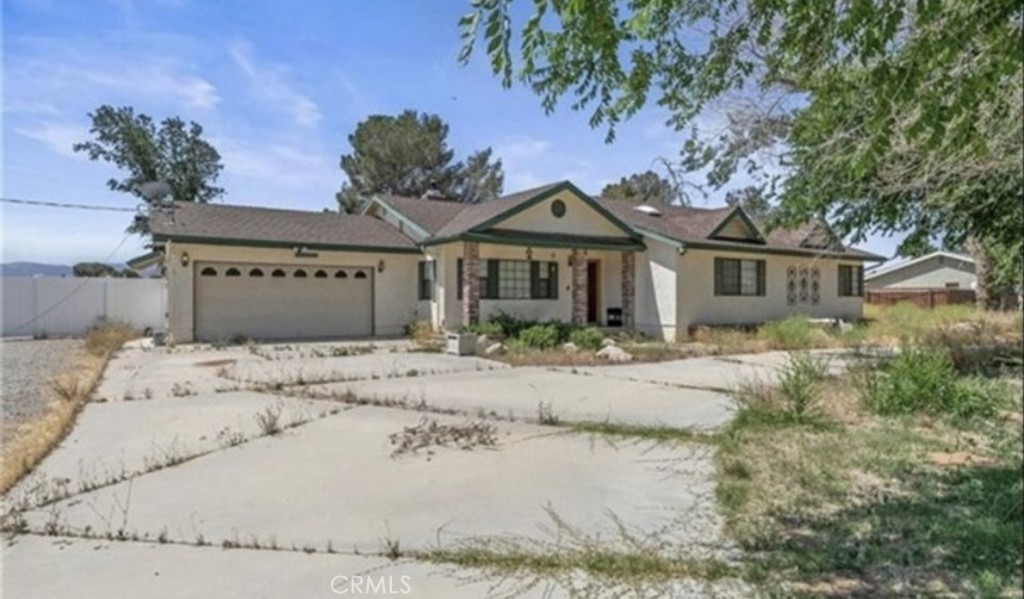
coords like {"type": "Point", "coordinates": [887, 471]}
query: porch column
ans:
{"type": "Point", "coordinates": [470, 283]}
{"type": "Point", "coordinates": [579, 288]}
{"type": "Point", "coordinates": [628, 290]}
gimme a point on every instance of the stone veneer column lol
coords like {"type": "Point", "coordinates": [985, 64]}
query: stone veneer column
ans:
{"type": "Point", "coordinates": [579, 288]}
{"type": "Point", "coordinates": [628, 290]}
{"type": "Point", "coordinates": [470, 283]}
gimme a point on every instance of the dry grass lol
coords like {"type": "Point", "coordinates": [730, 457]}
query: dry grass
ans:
{"type": "Point", "coordinates": [70, 390]}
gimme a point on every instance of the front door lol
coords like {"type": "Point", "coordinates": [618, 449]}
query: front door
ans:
{"type": "Point", "coordinates": [593, 291]}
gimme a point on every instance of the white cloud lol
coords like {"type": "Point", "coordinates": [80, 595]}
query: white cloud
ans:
{"type": "Point", "coordinates": [58, 137]}
{"type": "Point", "coordinates": [271, 83]}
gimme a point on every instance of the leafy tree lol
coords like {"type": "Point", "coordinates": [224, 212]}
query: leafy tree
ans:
{"type": "Point", "coordinates": [882, 116]}
{"type": "Point", "coordinates": [95, 269]}
{"type": "Point", "coordinates": [754, 203]}
{"type": "Point", "coordinates": [644, 188]}
{"type": "Point", "coordinates": [408, 155]}
{"type": "Point", "coordinates": [174, 153]}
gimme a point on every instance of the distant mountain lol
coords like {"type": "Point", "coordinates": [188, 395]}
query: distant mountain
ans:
{"type": "Point", "coordinates": [32, 269]}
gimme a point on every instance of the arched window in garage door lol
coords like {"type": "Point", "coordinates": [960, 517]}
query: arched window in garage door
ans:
{"type": "Point", "coordinates": [360, 274]}
{"type": "Point", "coordinates": [209, 271]}
{"type": "Point", "coordinates": [255, 273]}
{"type": "Point", "coordinates": [299, 274]}
{"type": "Point", "coordinates": [233, 272]}
{"type": "Point", "coordinates": [341, 275]}
{"type": "Point", "coordinates": [320, 274]}
{"type": "Point", "coordinates": [278, 273]}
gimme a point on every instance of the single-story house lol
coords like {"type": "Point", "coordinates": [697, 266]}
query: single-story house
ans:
{"type": "Point", "coordinates": [937, 270]}
{"type": "Point", "coordinates": [552, 252]}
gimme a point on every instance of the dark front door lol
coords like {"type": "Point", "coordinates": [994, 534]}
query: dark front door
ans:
{"type": "Point", "coordinates": [593, 290]}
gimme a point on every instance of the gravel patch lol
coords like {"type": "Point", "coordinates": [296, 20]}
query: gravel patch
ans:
{"type": "Point", "coordinates": [27, 368]}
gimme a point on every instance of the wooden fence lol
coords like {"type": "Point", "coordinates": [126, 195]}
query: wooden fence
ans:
{"type": "Point", "coordinates": [924, 297]}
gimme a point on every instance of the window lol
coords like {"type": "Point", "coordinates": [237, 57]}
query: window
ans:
{"type": "Point", "coordinates": [209, 271]}
{"type": "Point", "coordinates": [233, 272]}
{"type": "Point", "coordinates": [513, 279]}
{"type": "Point", "coordinates": [341, 275]}
{"type": "Point", "coordinates": [278, 273]}
{"type": "Point", "coordinates": [851, 281]}
{"type": "Point", "coordinates": [299, 274]}
{"type": "Point", "coordinates": [360, 274]}
{"type": "Point", "coordinates": [255, 273]}
{"type": "Point", "coordinates": [739, 277]}
{"type": "Point", "coordinates": [952, 285]}
{"type": "Point", "coordinates": [427, 269]}
{"type": "Point", "coordinates": [320, 274]}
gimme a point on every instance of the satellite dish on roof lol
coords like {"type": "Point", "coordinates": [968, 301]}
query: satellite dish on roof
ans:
{"type": "Point", "coordinates": [156, 192]}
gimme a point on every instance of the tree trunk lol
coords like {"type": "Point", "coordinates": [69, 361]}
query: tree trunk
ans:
{"type": "Point", "coordinates": [982, 272]}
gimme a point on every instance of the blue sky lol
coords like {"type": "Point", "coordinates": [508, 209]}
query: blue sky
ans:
{"type": "Point", "coordinates": [278, 86]}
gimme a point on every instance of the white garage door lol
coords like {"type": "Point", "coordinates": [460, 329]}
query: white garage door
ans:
{"type": "Point", "coordinates": [266, 301]}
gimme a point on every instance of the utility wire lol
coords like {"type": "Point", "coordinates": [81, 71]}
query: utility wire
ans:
{"type": "Point", "coordinates": [60, 205]}
{"type": "Point", "coordinates": [77, 288]}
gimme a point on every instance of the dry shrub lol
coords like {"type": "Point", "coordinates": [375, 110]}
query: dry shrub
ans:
{"type": "Point", "coordinates": [102, 341]}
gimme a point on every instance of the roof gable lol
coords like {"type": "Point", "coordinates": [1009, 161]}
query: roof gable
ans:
{"type": "Point", "coordinates": [737, 226]}
{"type": "Point", "coordinates": [502, 212]}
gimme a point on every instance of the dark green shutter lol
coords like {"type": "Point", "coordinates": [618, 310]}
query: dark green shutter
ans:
{"type": "Point", "coordinates": [553, 279]}
{"type": "Point", "coordinates": [844, 281]}
{"type": "Point", "coordinates": [860, 280]}
{"type": "Point", "coordinates": [492, 279]}
{"type": "Point", "coordinates": [760, 277]}
{"type": "Point", "coordinates": [419, 279]}
{"type": "Point", "coordinates": [535, 290]}
{"type": "Point", "coordinates": [458, 278]}
{"type": "Point", "coordinates": [718, 276]}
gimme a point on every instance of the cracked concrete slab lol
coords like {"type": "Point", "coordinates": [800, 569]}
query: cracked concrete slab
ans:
{"type": "Point", "coordinates": [570, 397]}
{"type": "Point", "coordinates": [334, 480]}
{"type": "Point", "coordinates": [123, 437]}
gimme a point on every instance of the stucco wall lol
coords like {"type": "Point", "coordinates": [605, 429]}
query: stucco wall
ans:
{"type": "Point", "coordinates": [579, 218]}
{"type": "Point", "coordinates": [395, 293]}
{"type": "Point", "coordinates": [656, 276]}
{"type": "Point", "coordinates": [700, 305]}
{"type": "Point", "coordinates": [447, 308]}
{"type": "Point", "coordinates": [937, 271]}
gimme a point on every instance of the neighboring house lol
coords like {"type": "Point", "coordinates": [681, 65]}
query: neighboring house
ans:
{"type": "Point", "coordinates": [546, 253]}
{"type": "Point", "coordinates": [937, 270]}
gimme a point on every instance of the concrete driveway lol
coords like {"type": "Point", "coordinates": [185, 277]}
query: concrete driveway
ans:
{"type": "Point", "coordinates": [175, 485]}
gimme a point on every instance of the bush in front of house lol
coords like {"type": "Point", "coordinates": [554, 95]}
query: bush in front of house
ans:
{"type": "Point", "coordinates": [540, 336]}
{"type": "Point", "coordinates": [587, 338]}
{"type": "Point", "coordinates": [925, 380]}
{"type": "Point", "coordinates": [795, 332]}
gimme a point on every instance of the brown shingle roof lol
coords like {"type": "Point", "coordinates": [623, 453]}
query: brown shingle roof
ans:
{"type": "Point", "coordinates": [221, 222]}
{"type": "Point", "coordinates": [693, 225]}
{"type": "Point", "coordinates": [432, 215]}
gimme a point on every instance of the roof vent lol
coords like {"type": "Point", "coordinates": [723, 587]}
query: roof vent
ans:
{"type": "Point", "coordinates": [433, 193]}
{"type": "Point", "coordinates": [648, 210]}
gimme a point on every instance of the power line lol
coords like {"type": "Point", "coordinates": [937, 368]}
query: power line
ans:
{"type": "Point", "coordinates": [61, 205]}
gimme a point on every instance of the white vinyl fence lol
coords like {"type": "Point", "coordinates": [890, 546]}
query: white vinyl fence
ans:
{"type": "Point", "coordinates": [69, 306]}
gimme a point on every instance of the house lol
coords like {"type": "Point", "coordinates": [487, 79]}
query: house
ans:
{"type": "Point", "coordinates": [937, 270]}
{"type": "Point", "coordinates": [552, 252]}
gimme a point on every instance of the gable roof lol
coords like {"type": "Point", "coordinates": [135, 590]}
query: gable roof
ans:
{"type": "Point", "coordinates": [430, 215]}
{"type": "Point", "coordinates": [695, 227]}
{"type": "Point", "coordinates": [479, 217]}
{"type": "Point", "coordinates": [741, 214]}
{"type": "Point", "coordinates": [898, 266]}
{"type": "Point", "coordinates": [250, 225]}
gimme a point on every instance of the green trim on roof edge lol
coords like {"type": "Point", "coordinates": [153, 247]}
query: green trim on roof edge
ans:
{"type": "Point", "coordinates": [547, 193]}
{"type": "Point", "coordinates": [286, 244]}
{"type": "Point", "coordinates": [763, 249]}
{"type": "Point", "coordinates": [402, 217]}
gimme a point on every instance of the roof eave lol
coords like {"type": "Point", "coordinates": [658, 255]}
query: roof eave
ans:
{"type": "Point", "coordinates": [340, 247]}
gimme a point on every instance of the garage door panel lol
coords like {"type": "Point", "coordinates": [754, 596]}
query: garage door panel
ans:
{"type": "Point", "coordinates": [283, 307]}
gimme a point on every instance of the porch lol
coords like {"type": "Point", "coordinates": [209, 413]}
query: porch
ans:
{"type": "Point", "coordinates": [590, 283]}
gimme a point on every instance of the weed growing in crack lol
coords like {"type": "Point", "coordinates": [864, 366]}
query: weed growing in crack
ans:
{"type": "Point", "coordinates": [430, 433]}
{"type": "Point", "coordinates": [269, 420]}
